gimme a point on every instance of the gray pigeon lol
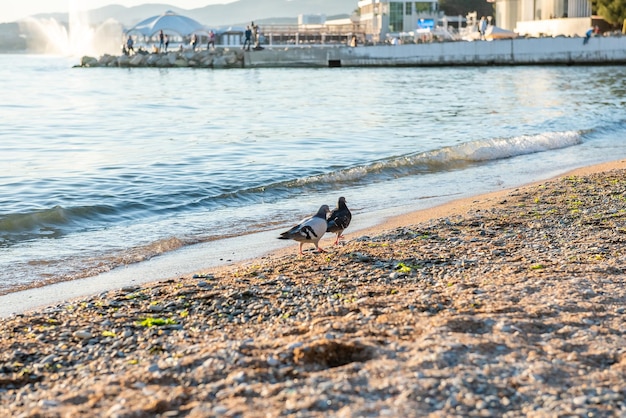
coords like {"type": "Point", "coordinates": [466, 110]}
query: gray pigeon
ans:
{"type": "Point", "coordinates": [339, 219]}
{"type": "Point", "coordinates": [310, 229]}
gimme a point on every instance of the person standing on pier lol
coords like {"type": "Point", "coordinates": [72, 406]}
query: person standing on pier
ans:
{"type": "Point", "coordinates": [587, 36]}
{"type": "Point", "coordinates": [482, 27]}
{"type": "Point", "coordinates": [211, 42]}
{"type": "Point", "coordinates": [247, 37]}
{"type": "Point", "coordinates": [255, 35]}
{"type": "Point", "coordinates": [129, 45]}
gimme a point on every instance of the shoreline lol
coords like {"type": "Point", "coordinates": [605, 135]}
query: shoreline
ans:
{"type": "Point", "coordinates": [236, 251]}
{"type": "Point", "coordinates": [505, 304]}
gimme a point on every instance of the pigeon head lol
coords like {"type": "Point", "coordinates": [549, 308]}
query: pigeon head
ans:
{"type": "Point", "coordinates": [323, 211]}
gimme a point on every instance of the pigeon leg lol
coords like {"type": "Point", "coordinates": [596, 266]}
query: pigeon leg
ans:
{"type": "Point", "coordinates": [300, 249]}
{"type": "Point", "coordinates": [339, 237]}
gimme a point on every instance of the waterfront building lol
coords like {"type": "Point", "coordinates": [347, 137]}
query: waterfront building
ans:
{"type": "Point", "coordinates": [381, 19]}
{"type": "Point", "coordinates": [312, 30]}
{"type": "Point", "coordinates": [544, 17]}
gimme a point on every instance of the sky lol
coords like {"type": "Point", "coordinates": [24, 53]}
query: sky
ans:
{"type": "Point", "coordinates": [23, 8]}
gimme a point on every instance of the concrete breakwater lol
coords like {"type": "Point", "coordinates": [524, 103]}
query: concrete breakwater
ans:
{"type": "Point", "coordinates": [218, 58]}
{"type": "Point", "coordinates": [523, 51]}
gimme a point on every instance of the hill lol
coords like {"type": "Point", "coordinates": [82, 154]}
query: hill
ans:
{"type": "Point", "coordinates": [221, 14]}
{"type": "Point", "coordinates": [236, 13]}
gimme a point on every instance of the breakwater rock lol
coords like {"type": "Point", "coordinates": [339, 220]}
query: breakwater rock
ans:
{"type": "Point", "coordinates": [218, 58]}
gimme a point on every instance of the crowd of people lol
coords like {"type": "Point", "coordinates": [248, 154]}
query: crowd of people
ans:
{"type": "Point", "coordinates": [251, 36]}
{"type": "Point", "coordinates": [251, 40]}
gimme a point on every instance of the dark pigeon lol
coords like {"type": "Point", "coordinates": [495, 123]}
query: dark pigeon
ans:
{"type": "Point", "coordinates": [339, 219]}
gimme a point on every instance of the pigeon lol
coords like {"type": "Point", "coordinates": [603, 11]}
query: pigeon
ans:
{"type": "Point", "coordinates": [310, 229]}
{"type": "Point", "coordinates": [339, 219]}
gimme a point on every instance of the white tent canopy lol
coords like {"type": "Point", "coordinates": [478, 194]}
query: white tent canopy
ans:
{"type": "Point", "coordinates": [168, 22]}
{"type": "Point", "coordinates": [494, 32]}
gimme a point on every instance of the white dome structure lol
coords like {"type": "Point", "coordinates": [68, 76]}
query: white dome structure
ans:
{"type": "Point", "coordinates": [169, 22]}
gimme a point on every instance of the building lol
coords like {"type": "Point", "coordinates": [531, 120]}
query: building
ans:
{"type": "Point", "coordinates": [380, 19]}
{"type": "Point", "coordinates": [544, 17]}
{"type": "Point", "coordinates": [311, 30]}
{"type": "Point", "coordinates": [311, 19]}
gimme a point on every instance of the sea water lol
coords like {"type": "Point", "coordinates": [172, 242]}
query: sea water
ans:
{"type": "Point", "coordinates": [102, 168]}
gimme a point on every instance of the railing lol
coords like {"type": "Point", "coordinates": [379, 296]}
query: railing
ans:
{"type": "Point", "coordinates": [347, 29]}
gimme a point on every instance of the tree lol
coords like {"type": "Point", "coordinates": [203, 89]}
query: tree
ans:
{"type": "Point", "coordinates": [613, 11]}
{"type": "Point", "coordinates": [463, 7]}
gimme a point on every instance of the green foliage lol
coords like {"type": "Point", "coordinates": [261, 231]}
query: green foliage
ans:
{"type": "Point", "coordinates": [151, 322]}
{"type": "Point", "coordinates": [403, 268]}
{"type": "Point", "coordinates": [463, 7]}
{"type": "Point", "coordinates": [613, 11]}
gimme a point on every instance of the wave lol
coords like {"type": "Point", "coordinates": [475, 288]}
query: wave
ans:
{"type": "Point", "coordinates": [58, 221]}
{"type": "Point", "coordinates": [613, 129]}
{"type": "Point", "coordinates": [448, 158]}
{"type": "Point", "coordinates": [48, 223]}
{"type": "Point", "coordinates": [439, 160]}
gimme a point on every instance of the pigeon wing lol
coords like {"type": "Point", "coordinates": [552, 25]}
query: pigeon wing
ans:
{"type": "Point", "coordinates": [339, 218]}
{"type": "Point", "coordinates": [310, 229]}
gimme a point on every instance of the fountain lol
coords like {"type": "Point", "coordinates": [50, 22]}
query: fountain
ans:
{"type": "Point", "coordinates": [74, 38]}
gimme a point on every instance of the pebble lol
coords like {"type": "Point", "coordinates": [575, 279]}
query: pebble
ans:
{"type": "Point", "coordinates": [83, 334]}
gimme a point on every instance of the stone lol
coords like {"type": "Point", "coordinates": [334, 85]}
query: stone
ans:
{"type": "Point", "coordinates": [83, 334]}
{"type": "Point", "coordinates": [136, 60]}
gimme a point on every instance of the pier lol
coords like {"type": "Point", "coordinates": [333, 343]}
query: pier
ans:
{"type": "Point", "coordinates": [519, 51]}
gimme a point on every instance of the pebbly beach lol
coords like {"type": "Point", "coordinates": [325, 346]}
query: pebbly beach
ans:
{"type": "Point", "coordinates": [505, 304]}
